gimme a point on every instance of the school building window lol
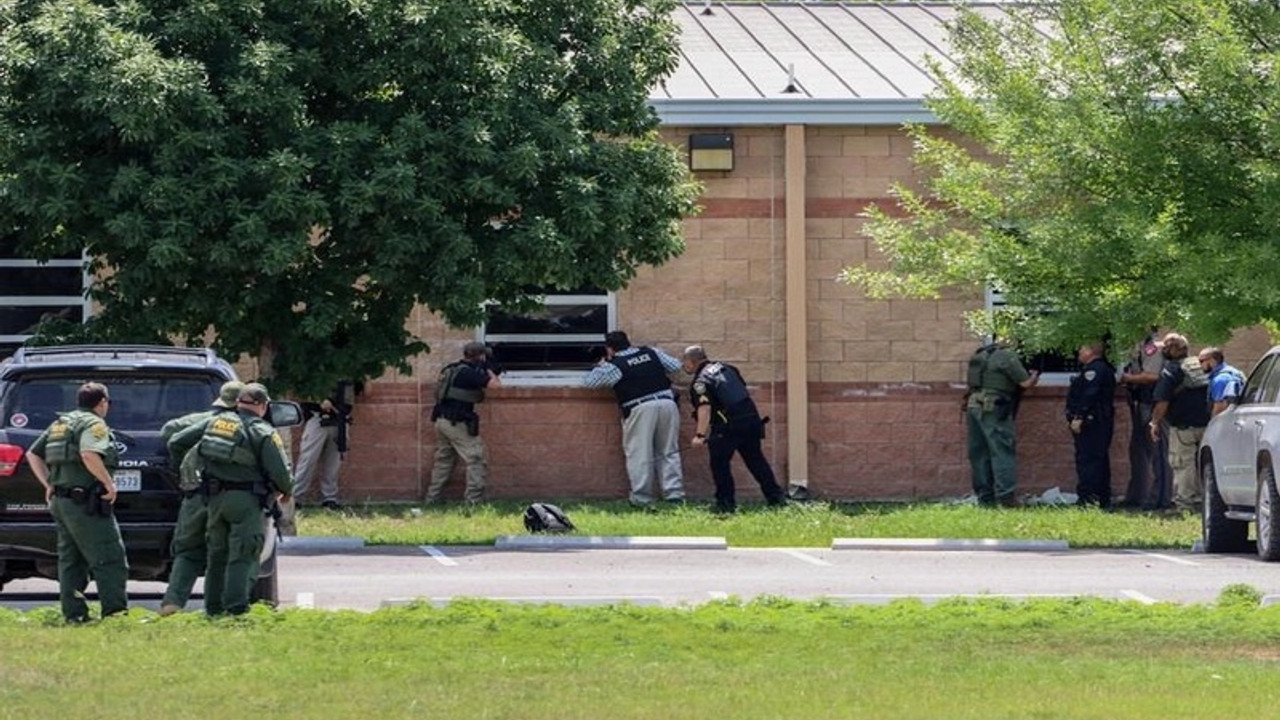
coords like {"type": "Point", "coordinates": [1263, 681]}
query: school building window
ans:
{"type": "Point", "coordinates": [1055, 367]}
{"type": "Point", "coordinates": [562, 338]}
{"type": "Point", "coordinates": [31, 291]}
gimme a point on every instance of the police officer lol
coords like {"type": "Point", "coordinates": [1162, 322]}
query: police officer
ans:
{"type": "Point", "coordinates": [995, 377]}
{"type": "Point", "coordinates": [460, 386]}
{"type": "Point", "coordinates": [650, 416]}
{"type": "Point", "coordinates": [73, 460]}
{"type": "Point", "coordinates": [728, 422]}
{"type": "Point", "coordinates": [1090, 415]}
{"type": "Point", "coordinates": [324, 444]}
{"type": "Point", "coordinates": [190, 551]}
{"type": "Point", "coordinates": [1150, 478]}
{"type": "Point", "coordinates": [245, 468]}
{"type": "Point", "coordinates": [1182, 410]}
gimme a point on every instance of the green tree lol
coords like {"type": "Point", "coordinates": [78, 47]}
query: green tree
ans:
{"type": "Point", "coordinates": [1116, 165]}
{"type": "Point", "coordinates": [290, 178]}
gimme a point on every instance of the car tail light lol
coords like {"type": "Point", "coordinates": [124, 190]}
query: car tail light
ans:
{"type": "Point", "coordinates": [10, 457]}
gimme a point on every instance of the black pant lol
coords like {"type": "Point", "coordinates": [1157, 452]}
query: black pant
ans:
{"type": "Point", "coordinates": [742, 436]}
{"type": "Point", "coordinates": [1093, 462]}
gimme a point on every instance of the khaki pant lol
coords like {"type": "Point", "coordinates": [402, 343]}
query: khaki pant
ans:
{"type": "Point", "coordinates": [318, 454]}
{"type": "Point", "coordinates": [453, 442]}
{"type": "Point", "coordinates": [651, 442]}
{"type": "Point", "coordinates": [1188, 492]}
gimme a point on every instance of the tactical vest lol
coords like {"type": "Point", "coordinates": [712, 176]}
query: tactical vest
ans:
{"type": "Point", "coordinates": [730, 398]}
{"type": "Point", "coordinates": [642, 374]}
{"type": "Point", "coordinates": [446, 390]}
{"type": "Point", "coordinates": [1193, 375]}
{"type": "Point", "coordinates": [63, 443]}
{"type": "Point", "coordinates": [226, 439]}
{"type": "Point", "coordinates": [983, 377]}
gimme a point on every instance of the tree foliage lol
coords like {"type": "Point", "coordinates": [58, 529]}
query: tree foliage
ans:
{"type": "Point", "coordinates": [1119, 168]}
{"type": "Point", "coordinates": [291, 178]}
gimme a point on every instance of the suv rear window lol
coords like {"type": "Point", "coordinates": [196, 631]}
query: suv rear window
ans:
{"type": "Point", "coordinates": [137, 403]}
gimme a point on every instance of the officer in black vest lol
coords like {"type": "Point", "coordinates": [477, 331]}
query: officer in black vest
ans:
{"type": "Point", "coordinates": [1090, 415]}
{"type": "Point", "coordinates": [459, 387]}
{"type": "Point", "coordinates": [650, 416]}
{"type": "Point", "coordinates": [728, 422]}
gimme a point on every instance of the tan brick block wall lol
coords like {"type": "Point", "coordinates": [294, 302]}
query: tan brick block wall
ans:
{"type": "Point", "coordinates": [885, 377]}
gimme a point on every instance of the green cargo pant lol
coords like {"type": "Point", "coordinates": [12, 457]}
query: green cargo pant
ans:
{"type": "Point", "coordinates": [235, 541]}
{"type": "Point", "coordinates": [190, 550]}
{"type": "Point", "coordinates": [991, 455]}
{"type": "Point", "coordinates": [89, 547]}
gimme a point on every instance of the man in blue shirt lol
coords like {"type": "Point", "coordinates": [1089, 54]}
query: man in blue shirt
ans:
{"type": "Point", "coordinates": [1226, 384]}
{"type": "Point", "coordinates": [650, 416]}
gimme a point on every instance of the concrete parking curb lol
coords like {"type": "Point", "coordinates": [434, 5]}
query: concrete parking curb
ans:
{"type": "Point", "coordinates": [947, 544]}
{"type": "Point", "coordinates": [302, 544]}
{"type": "Point", "coordinates": [607, 542]}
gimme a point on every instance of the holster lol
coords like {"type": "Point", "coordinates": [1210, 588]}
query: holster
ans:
{"type": "Point", "coordinates": [473, 425]}
{"type": "Point", "coordinates": [1003, 408]}
{"type": "Point", "coordinates": [96, 504]}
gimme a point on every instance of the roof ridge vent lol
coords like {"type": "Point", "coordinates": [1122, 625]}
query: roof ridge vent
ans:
{"type": "Point", "coordinates": [706, 8]}
{"type": "Point", "coordinates": [791, 87]}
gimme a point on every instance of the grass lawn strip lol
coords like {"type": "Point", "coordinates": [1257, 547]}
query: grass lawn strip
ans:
{"type": "Point", "coordinates": [770, 658]}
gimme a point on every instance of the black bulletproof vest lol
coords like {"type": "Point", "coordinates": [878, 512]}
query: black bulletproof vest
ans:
{"type": "Point", "coordinates": [642, 374]}
{"type": "Point", "coordinates": [729, 390]}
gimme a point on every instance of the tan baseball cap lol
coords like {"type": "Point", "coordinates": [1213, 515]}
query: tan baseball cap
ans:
{"type": "Point", "coordinates": [229, 394]}
{"type": "Point", "coordinates": [254, 394]}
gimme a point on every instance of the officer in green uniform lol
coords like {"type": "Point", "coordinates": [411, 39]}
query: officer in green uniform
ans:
{"type": "Point", "coordinates": [244, 468]}
{"type": "Point", "coordinates": [995, 376]}
{"type": "Point", "coordinates": [73, 460]}
{"type": "Point", "coordinates": [189, 548]}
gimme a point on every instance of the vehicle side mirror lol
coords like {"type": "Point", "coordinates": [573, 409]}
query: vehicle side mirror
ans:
{"type": "Point", "coordinates": [284, 413]}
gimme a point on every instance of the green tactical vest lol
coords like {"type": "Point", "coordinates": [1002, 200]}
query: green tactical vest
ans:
{"type": "Point", "coordinates": [226, 440]}
{"type": "Point", "coordinates": [446, 391]}
{"type": "Point", "coordinates": [189, 471]}
{"type": "Point", "coordinates": [983, 375]}
{"type": "Point", "coordinates": [63, 444]}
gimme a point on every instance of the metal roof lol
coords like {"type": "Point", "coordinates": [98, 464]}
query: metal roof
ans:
{"type": "Point", "coordinates": [769, 63]}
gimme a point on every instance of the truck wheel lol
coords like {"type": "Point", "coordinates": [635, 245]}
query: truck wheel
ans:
{"type": "Point", "coordinates": [1268, 511]}
{"type": "Point", "coordinates": [1220, 533]}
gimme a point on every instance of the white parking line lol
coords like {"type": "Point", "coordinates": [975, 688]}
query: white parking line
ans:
{"type": "Point", "coordinates": [803, 556]}
{"type": "Point", "coordinates": [306, 600]}
{"type": "Point", "coordinates": [1162, 556]}
{"type": "Point", "coordinates": [1135, 595]}
{"type": "Point", "coordinates": [646, 600]}
{"type": "Point", "coordinates": [438, 554]}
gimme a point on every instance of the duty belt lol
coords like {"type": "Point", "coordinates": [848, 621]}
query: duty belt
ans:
{"type": "Point", "coordinates": [219, 486]}
{"type": "Point", "coordinates": [663, 395]}
{"type": "Point", "coordinates": [76, 492]}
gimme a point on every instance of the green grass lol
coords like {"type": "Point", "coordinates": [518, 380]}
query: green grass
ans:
{"type": "Point", "coordinates": [772, 658]}
{"type": "Point", "coordinates": [797, 525]}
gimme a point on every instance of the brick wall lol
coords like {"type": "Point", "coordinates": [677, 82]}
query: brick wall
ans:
{"type": "Point", "coordinates": [885, 377]}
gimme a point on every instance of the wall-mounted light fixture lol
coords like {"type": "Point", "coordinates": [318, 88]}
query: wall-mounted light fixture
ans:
{"type": "Point", "coordinates": [711, 151]}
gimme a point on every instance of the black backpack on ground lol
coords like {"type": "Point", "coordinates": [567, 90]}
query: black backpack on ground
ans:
{"type": "Point", "coordinates": [545, 517]}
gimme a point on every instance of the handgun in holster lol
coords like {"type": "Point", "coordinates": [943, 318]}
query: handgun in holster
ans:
{"type": "Point", "coordinates": [96, 503]}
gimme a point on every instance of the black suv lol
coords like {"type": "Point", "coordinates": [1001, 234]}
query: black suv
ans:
{"type": "Point", "coordinates": [149, 386]}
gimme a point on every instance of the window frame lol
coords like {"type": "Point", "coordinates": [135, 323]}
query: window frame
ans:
{"type": "Point", "coordinates": [993, 299]}
{"type": "Point", "coordinates": [551, 377]}
{"type": "Point", "coordinates": [80, 301]}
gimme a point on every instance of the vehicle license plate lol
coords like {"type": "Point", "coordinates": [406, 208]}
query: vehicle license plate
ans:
{"type": "Point", "coordinates": [128, 480]}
